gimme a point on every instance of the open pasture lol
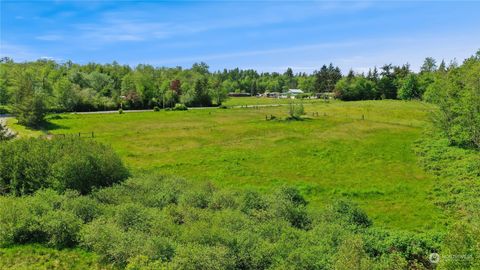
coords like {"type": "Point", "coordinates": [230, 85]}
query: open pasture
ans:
{"type": "Point", "coordinates": [361, 151]}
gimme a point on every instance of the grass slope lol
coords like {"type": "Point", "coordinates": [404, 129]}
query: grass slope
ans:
{"type": "Point", "coordinates": [330, 156]}
{"type": "Point", "coordinates": [37, 257]}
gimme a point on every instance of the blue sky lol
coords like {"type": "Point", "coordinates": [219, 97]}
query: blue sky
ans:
{"type": "Point", "coordinates": [263, 35]}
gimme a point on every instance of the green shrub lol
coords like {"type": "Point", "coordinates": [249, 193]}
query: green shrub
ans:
{"type": "Point", "coordinates": [4, 110]}
{"type": "Point", "coordinates": [290, 205]}
{"type": "Point", "coordinates": [252, 202]}
{"type": "Point", "coordinates": [157, 222]}
{"type": "Point", "coordinates": [350, 214]}
{"type": "Point", "coordinates": [461, 246]}
{"type": "Point", "coordinates": [106, 239]}
{"type": "Point", "coordinates": [142, 262]}
{"type": "Point", "coordinates": [180, 107]}
{"type": "Point", "coordinates": [156, 109]}
{"type": "Point", "coordinates": [151, 190]}
{"type": "Point", "coordinates": [120, 246]}
{"type": "Point", "coordinates": [192, 256]}
{"type": "Point", "coordinates": [61, 228]}
{"type": "Point", "coordinates": [295, 110]}
{"type": "Point", "coordinates": [39, 218]}
{"type": "Point", "coordinates": [13, 219]}
{"type": "Point", "coordinates": [132, 216]}
{"type": "Point", "coordinates": [120, 111]}
{"type": "Point", "coordinates": [31, 110]}
{"type": "Point", "coordinates": [222, 200]}
{"type": "Point", "coordinates": [196, 198]}
{"type": "Point", "coordinates": [68, 163]}
{"type": "Point", "coordinates": [84, 208]}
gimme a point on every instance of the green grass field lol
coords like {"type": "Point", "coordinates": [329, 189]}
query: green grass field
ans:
{"type": "Point", "coordinates": [29, 257]}
{"type": "Point", "coordinates": [331, 156]}
{"type": "Point", "coordinates": [239, 101]}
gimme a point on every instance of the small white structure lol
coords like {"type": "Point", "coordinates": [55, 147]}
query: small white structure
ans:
{"type": "Point", "coordinates": [294, 92]}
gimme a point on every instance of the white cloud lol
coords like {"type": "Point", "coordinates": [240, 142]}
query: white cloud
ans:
{"type": "Point", "coordinates": [50, 37]}
{"type": "Point", "coordinates": [141, 25]}
{"type": "Point", "coordinates": [261, 52]}
{"type": "Point", "coordinates": [123, 30]}
{"type": "Point", "coordinates": [17, 52]}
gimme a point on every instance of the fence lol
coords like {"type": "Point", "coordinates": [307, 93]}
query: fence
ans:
{"type": "Point", "coordinates": [358, 116]}
{"type": "Point", "coordinates": [87, 135]}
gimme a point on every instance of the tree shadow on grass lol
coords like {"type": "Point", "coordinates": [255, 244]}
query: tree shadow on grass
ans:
{"type": "Point", "coordinates": [47, 126]}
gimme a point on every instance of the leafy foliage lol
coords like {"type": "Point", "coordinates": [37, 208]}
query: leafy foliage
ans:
{"type": "Point", "coordinates": [457, 192]}
{"type": "Point", "coordinates": [295, 110]}
{"type": "Point", "coordinates": [28, 165]}
{"type": "Point", "coordinates": [152, 222]}
{"type": "Point", "coordinates": [457, 94]}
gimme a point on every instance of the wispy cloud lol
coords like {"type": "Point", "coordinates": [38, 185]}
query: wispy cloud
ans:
{"type": "Point", "coordinates": [51, 37]}
{"type": "Point", "coordinates": [126, 25]}
{"type": "Point", "coordinates": [17, 52]}
{"type": "Point", "coordinates": [123, 30]}
{"type": "Point", "coordinates": [260, 52]}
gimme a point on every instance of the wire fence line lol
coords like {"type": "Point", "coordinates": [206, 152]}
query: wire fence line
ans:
{"type": "Point", "coordinates": [86, 135]}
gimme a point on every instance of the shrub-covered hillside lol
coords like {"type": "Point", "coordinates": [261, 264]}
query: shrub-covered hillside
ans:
{"type": "Point", "coordinates": [152, 221]}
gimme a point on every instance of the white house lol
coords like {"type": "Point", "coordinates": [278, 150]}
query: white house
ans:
{"type": "Point", "coordinates": [294, 92]}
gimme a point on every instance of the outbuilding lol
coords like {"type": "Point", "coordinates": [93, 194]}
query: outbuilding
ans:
{"type": "Point", "coordinates": [294, 92]}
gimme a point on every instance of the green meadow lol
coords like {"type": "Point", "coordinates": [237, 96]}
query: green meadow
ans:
{"type": "Point", "coordinates": [360, 151]}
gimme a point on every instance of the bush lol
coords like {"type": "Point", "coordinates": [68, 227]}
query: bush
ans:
{"type": "Point", "coordinates": [13, 220]}
{"type": "Point", "coordinates": [120, 111]}
{"type": "Point", "coordinates": [295, 110]}
{"type": "Point", "coordinates": [84, 208]}
{"type": "Point", "coordinates": [156, 222]}
{"type": "Point", "coordinates": [68, 163]}
{"type": "Point", "coordinates": [350, 214]}
{"type": "Point", "coordinates": [457, 94]}
{"type": "Point", "coordinates": [4, 110]}
{"type": "Point", "coordinates": [193, 256]}
{"type": "Point", "coordinates": [31, 111]}
{"type": "Point", "coordinates": [38, 218]}
{"type": "Point", "coordinates": [61, 228]}
{"type": "Point", "coordinates": [180, 107]}
{"type": "Point", "coordinates": [156, 109]}
{"type": "Point", "coordinates": [132, 217]}
{"type": "Point", "coordinates": [290, 205]}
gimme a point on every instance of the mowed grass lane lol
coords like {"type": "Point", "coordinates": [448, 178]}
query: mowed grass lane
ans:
{"type": "Point", "coordinates": [335, 155]}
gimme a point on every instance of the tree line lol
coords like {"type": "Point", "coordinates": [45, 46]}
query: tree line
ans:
{"type": "Point", "coordinates": [455, 88]}
{"type": "Point", "coordinates": [74, 87]}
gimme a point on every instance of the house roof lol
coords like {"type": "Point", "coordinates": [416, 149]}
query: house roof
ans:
{"type": "Point", "coordinates": [295, 91]}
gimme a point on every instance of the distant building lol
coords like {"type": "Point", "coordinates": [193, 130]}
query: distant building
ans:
{"type": "Point", "coordinates": [294, 92]}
